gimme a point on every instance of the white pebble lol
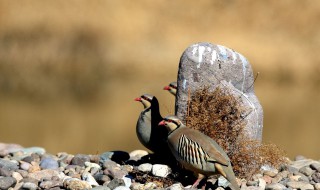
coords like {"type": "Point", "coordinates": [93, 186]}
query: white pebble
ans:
{"type": "Point", "coordinates": [146, 167]}
{"type": "Point", "coordinates": [161, 170]}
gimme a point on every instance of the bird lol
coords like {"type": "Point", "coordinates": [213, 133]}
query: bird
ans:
{"type": "Point", "coordinates": [197, 152]}
{"type": "Point", "coordinates": [149, 133]}
{"type": "Point", "coordinates": [172, 88]}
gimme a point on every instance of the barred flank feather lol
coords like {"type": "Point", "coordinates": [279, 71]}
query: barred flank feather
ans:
{"type": "Point", "coordinates": [191, 152]}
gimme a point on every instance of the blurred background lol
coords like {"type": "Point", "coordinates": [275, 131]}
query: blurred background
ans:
{"type": "Point", "coordinates": [69, 70]}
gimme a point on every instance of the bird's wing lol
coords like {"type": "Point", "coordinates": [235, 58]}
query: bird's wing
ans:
{"type": "Point", "coordinates": [214, 152]}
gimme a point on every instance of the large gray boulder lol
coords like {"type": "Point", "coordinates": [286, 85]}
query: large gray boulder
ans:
{"type": "Point", "coordinates": [210, 65]}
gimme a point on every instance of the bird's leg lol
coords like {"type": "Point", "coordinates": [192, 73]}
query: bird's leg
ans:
{"type": "Point", "coordinates": [196, 183]}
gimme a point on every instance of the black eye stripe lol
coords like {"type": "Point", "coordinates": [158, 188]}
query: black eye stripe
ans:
{"type": "Point", "coordinates": [172, 86]}
{"type": "Point", "coordinates": [172, 121]}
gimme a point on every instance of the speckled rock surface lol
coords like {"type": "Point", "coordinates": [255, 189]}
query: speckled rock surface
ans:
{"type": "Point", "coordinates": [205, 64]}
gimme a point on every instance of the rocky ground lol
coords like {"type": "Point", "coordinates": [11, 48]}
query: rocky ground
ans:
{"type": "Point", "coordinates": [32, 168]}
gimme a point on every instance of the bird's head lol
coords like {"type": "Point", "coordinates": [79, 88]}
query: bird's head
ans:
{"type": "Point", "coordinates": [172, 88]}
{"type": "Point", "coordinates": [171, 122]}
{"type": "Point", "coordinates": [145, 99]}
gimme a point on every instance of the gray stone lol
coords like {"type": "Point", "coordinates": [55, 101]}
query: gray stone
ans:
{"type": "Point", "coordinates": [90, 179]}
{"type": "Point", "coordinates": [252, 183]}
{"type": "Point", "coordinates": [5, 172]}
{"type": "Point", "coordinates": [6, 149]}
{"type": "Point", "coordinates": [223, 182]}
{"type": "Point", "coordinates": [316, 177]}
{"type": "Point", "coordinates": [146, 167]}
{"type": "Point", "coordinates": [6, 182]}
{"type": "Point", "coordinates": [302, 163]}
{"type": "Point", "coordinates": [49, 163]}
{"type": "Point", "coordinates": [8, 165]}
{"type": "Point", "coordinates": [116, 183]}
{"type": "Point", "coordinates": [306, 170]}
{"type": "Point", "coordinates": [30, 186]}
{"type": "Point", "coordinates": [161, 170]}
{"type": "Point", "coordinates": [80, 159]}
{"type": "Point", "coordinates": [205, 64]}
{"type": "Point", "coordinates": [315, 166]}
{"type": "Point", "coordinates": [101, 179]}
{"type": "Point", "coordinates": [275, 186]}
{"type": "Point", "coordinates": [300, 185]}
{"type": "Point", "coordinates": [317, 186]}
{"type": "Point", "coordinates": [31, 150]}
{"type": "Point", "coordinates": [50, 184]}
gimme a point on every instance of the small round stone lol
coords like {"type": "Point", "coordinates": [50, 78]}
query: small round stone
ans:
{"type": "Point", "coordinates": [116, 183]}
{"type": "Point", "coordinates": [7, 182]}
{"type": "Point", "coordinates": [80, 159]}
{"type": "Point", "coordinates": [137, 154]}
{"type": "Point", "coordinates": [161, 170]}
{"type": "Point", "coordinates": [101, 188]}
{"type": "Point", "coordinates": [146, 167]}
{"type": "Point", "coordinates": [299, 185]}
{"type": "Point", "coordinates": [317, 186]}
{"type": "Point", "coordinates": [5, 172]}
{"type": "Point", "coordinates": [316, 177]}
{"type": "Point", "coordinates": [8, 165]}
{"type": "Point", "coordinates": [275, 186]}
{"type": "Point", "coordinates": [306, 170]}
{"type": "Point", "coordinates": [29, 186]}
{"type": "Point", "coordinates": [49, 163]}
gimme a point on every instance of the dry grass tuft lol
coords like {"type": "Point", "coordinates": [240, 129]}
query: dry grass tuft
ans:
{"type": "Point", "coordinates": [220, 115]}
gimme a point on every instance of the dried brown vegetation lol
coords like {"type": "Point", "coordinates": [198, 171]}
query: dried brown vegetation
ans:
{"type": "Point", "coordinates": [220, 115]}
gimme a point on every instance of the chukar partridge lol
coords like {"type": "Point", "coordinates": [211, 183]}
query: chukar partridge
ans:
{"type": "Point", "coordinates": [172, 88]}
{"type": "Point", "coordinates": [149, 133]}
{"type": "Point", "coordinates": [197, 152]}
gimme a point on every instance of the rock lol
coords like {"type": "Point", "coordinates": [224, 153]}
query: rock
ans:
{"type": "Point", "coordinates": [122, 188]}
{"type": "Point", "coordinates": [137, 154]}
{"type": "Point", "coordinates": [30, 186]}
{"type": "Point", "coordinates": [47, 173]}
{"type": "Point", "coordinates": [315, 166]}
{"type": "Point", "coordinates": [31, 150]}
{"type": "Point", "coordinates": [6, 149]}
{"type": "Point", "coordinates": [127, 181]}
{"type": "Point", "coordinates": [252, 183]}
{"type": "Point", "coordinates": [116, 183]}
{"type": "Point", "coordinates": [101, 179]}
{"type": "Point", "coordinates": [176, 186]}
{"type": "Point", "coordinates": [306, 170]}
{"type": "Point", "coordinates": [49, 163]}
{"type": "Point", "coordinates": [50, 184]}
{"type": "Point", "coordinates": [8, 165]}
{"type": "Point", "coordinates": [268, 179]}
{"type": "Point", "coordinates": [92, 165]}
{"type": "Point", "coordinates": [17, 176]}
{"type": "Point", "coordinates": [223, 182]}
{"type": "Point", "coordinates": [7, 182]}
{"type": "Point", "coordinates": [101, 188]}
{"type": "Point", "coordinates": [116, 156]}
{"type": "Point", "coordinates": [34, 167]}
{"type": "Point", "coordinates": [300, 185]}
{"type": "Point", "coordinates": [302, 163]}
{"type": "Point", "coordinates": [80, 159]}
{"type": "Point", "coordinates": [75, 184]}
{"type": "Point", "coordinates": [317, 186]}
{"type": "Point", "coordinates": [18, 186]}
{"type": "Point", "coordinates": [205, 64]}
{"type": "Point", "coordinates": [90, 179]}
{"type": "Point", "coordinates": [32, 158]}
{"type": "Point", "coordinates": [316, 177]}
{"type": "Point", "coordinates": [150, 185]}
{"type": "Point", "coordinates": [275, 186]}
{"type": "Point", "coordinates": [5, 172]}
{"type": "Point", "coordinates": [161, 170]}
{"type": "Point", "coordinates": [146, 167]}
{"type": "Point", "coordinates": [271, 172]}
{"type": "Point", "coordinates": [262, 183]}
{"type": "Point", "coordinates": [25, 165]}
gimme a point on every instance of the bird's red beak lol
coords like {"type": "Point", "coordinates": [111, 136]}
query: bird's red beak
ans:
{"type": "Point", "coordinates": [166, 88]}
{"type": "Point", "coordinates": [137, 99]}
{"type": "Point", "coordinates": [162, 123]}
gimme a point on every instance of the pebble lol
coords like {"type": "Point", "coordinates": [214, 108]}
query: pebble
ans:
{"type": "Point", "coordinates": [6, 149]}
{"type": "Point", "coordinates": [49, 163]}
{"type": "Point", "coordinates": [7, 182]}
{"type": "Point", "coordinates": [8, 165]}
{"type": "Point", "coordinates": [275, 186]}
{"type": "Point", "coordinates": [65, 171]}
{"type": "Point", "coordinates": [30, 186]}
{"type": "Point", "coordinates": [161, 170]}
{"type": "Point", "coordinates": [122, 188]}
{"type": "Point", "coordinates": [316, 177]}
{"type": "Point", "coordinates": [137, 154]}
{"type": "Point", "coordinates": [300, 185]}
{"type": "Point", "coordinates": [146, 167]}
{"type": "Point", "coordinates": [80, 159]}
{"type": "Point", "coordinates": [31, 150]}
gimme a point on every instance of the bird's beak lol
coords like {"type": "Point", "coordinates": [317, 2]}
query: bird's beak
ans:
{"type": "Point", "coordinates": [162, 123]}
{"type": "Point", "coordinates": [166, 88]}
{"type": "Point", "coordinates": [137, 99]}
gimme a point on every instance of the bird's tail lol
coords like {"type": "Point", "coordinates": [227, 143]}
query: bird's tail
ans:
{"type": "Point", "coordinates": [227, 172]}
